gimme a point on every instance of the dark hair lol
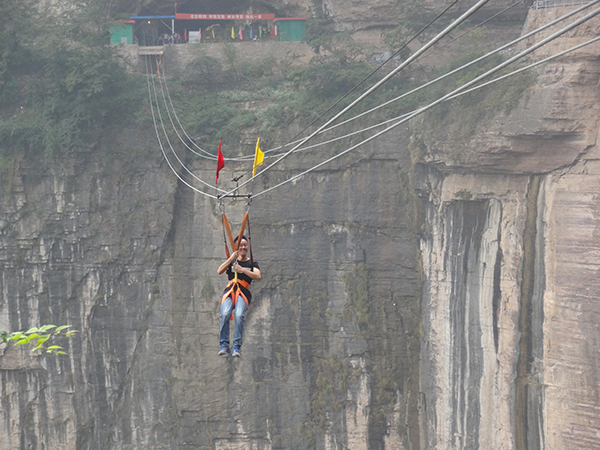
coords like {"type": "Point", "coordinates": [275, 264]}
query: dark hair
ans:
{"type": "Point", "coordinates": [236, 239]}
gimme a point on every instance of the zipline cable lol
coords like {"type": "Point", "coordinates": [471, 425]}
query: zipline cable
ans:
{"type": "Point", "coordinates": [387, 121]}
{"type": "Point", "coordinates": [438, 49]}
{"type": "Point", "coordinates": [160, 141]}
{"type": "Point", "coordinates": [503, 47]}
{"type": "Point", "coordinates": [440, 100]}
{"type": "Point", "coordinates": [396, 53]}
{"type": "Point", "coordinates": [246, 158]}
{"type": "Point", "coordinates": [206, 155]}
{"type": "Point", "coordinates": [535, 64]}
{"type": "Point", "coordinates": [171, 146]}
{"type": "Point", "coordinates": [532, 65]}
{"type": "Point", "coordinates": [475, 61]}
{"type": "Point", "coordinates": [474, 8]}
{"type": "Point", "coordinates": [487, 83]}
{"type": "Point", "coordinates": [211, 156]}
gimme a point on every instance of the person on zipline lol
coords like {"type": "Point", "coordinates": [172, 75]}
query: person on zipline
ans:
{"type": "Point", "coordinates": [240, 270]}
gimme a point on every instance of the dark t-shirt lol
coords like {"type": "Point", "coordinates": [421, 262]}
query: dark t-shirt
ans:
{"type": "Point", "coordinates": [241, 276]}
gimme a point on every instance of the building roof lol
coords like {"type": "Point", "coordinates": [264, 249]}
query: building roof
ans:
{"type": "Point", "coordinates": [290, 18]}
{"type": "Point", "coordinates": [152, 17]}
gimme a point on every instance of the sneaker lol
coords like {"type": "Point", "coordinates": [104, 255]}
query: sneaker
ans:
{"type": "Point", "coordinates": [224, 351]}
{"type": "Point", "coordinates": [235, 352]}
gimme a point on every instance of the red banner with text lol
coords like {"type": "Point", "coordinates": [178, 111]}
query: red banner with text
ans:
{"type": "Point", "coordinates": [224, 16]}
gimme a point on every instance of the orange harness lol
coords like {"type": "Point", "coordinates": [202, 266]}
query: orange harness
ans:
{"type": "Point", "coordinates": [235, 292]}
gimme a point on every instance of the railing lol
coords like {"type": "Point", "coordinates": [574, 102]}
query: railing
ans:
{"type": "Point", "coordinates": [153, 50]}
{"type": "Point", "coordinates": [541, 4]}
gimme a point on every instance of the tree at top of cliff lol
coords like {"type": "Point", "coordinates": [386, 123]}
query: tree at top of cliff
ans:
{"type": "Point", "coordinates": [326, 40]}
{"type": "Point", "coordinates": [60, 78]}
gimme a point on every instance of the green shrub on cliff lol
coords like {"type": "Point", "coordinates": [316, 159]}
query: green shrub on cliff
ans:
{"type": "Point", "coordinates": [38, 338]}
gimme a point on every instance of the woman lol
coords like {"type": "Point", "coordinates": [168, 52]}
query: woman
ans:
{"type": "Point", "coordinates": [236, 297]}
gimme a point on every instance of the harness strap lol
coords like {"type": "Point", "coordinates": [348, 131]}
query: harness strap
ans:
{"type": "Point", "coordinates": [250, 243]}
{"type": "Point", "coordinates": [235, 292]}
{"type": "Point", "coordinates": [228, 228]}
{"type": "Point", "coordinates": [244, 221]}
{"type": "Point", "coordinates": [234, 246]}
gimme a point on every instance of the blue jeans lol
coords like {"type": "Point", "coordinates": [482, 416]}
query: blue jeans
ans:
{"type": "Point", "coordinates": [240, 310]}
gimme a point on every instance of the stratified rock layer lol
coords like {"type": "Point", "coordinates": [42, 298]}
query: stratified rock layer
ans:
{"type": "Point", "coordinates": [487, 339]}
{"type": "Point", "coordinates": [117, 249]}
{"type": "Point", "coordinates": [510, 256]}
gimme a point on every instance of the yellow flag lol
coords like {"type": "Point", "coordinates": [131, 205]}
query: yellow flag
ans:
{"type": "Point", "coordinates": [258, 157]}
{"type": "Point", "coordinates": [232, 33]}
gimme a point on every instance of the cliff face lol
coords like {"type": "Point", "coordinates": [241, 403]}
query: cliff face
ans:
{"type": "Point", "coordinates": [510, 256]}
{"type": "Point", "coordinates": [81, 246]}
{"type": "Point", "coordinates": [127, 256]}
{"type": "Point", "coordinates": [462, 317]}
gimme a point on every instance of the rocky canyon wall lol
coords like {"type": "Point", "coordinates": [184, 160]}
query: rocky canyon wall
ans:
{"type": "Point", "coordinates": [510, 249]}
{"type": "Point", "coordinates": [449, 305]}
{"type": "Point", "coordinates": [115, 247]}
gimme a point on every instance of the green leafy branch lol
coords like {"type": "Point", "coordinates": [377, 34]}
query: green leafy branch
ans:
{"type": "Point", "coordinates": [38, 337]}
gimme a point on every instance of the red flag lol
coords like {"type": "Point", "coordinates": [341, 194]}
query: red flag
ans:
{"type": "Point", "coordinates": [220, 163]}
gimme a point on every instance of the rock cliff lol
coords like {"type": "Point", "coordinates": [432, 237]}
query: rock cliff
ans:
{"type": "Point", "coordinates": [449, 305]}
{"type": "Point", "coordinates": [129, 258]}
{"type": "Point", "coordinates": [509, 256]}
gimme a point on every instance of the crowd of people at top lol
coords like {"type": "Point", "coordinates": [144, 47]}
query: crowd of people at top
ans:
{"type": "Point", "coordinates": [166, 38]}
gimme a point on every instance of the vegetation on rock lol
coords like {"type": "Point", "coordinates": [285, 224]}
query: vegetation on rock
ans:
{"type": "Point", "coordinates": [61, 86]}
{"type": "Point", "coordinates": [38, 337]}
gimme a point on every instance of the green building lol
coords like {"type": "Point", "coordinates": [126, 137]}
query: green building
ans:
{"type": "Point", "coordinates": [122, 32]}
{"type": "Point", "coordinates": [291, 28]}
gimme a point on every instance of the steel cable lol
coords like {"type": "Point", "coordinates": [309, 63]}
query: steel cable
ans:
{"type": "Point", "coordinates": [374, 87]}
{"type": "Point", "coordinates": [442, 99]}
